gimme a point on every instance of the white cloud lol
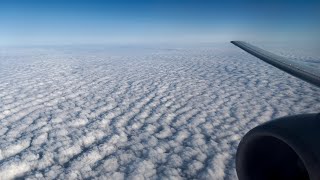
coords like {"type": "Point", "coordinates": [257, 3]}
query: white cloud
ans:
{"type": "Point", "coordinates": [149, 113]}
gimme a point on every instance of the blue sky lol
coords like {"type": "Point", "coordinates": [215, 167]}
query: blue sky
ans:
{"type": "Point", "coordinates": [156, 21]}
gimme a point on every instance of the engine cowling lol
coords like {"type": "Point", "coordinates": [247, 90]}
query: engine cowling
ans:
{"type": "Point", "coordinates": [285, 148]}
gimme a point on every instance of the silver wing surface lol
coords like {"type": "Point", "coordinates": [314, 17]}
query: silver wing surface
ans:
{"type": "Point", "coordinates": [298, 69]}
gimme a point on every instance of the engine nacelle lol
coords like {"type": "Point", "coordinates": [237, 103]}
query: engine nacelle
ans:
{"type": "Point", "coordinates": [285, 148]}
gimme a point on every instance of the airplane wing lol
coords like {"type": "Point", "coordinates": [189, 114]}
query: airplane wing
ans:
{"type": "Point", "coordinates": [298, 69]}
{"type": "Point", "coordinates": [285, 148]}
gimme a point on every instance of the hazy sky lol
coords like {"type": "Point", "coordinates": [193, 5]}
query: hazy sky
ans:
{"type": "Point", "coordinates": [156, 21]}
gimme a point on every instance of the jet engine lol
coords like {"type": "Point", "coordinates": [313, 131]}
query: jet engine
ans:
{"type": "Point", "coordinates": [285, 148]}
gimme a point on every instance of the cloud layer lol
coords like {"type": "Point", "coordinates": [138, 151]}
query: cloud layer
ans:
{"type": "Point", "coordinates": [160, 113]}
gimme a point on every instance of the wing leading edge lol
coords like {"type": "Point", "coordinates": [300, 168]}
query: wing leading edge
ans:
{"type": "Point", "coordinates": [298, 69]}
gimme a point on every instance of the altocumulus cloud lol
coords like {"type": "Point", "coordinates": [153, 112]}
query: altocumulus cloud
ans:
{"type": "Point", "coordinates": [161, 113]}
